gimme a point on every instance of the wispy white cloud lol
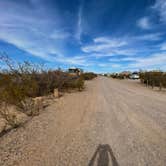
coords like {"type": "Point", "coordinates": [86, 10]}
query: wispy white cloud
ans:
{"type": "Point", "coordinates": [109, 65]}
{"type": "Point", "coordinates": [124, 59]}
{"type": "Point", "coordinates": [144, 23]}
{"type": "Point", "coordinates": [116, 65]}
{"type": "Point", "coordinates": [160, 7]}
{"type": "Point", "coordinates": [59, 34]}
{"type": "Point", "coordinates": [110, 42]}
{"type": "Point", "coordinates": [103, 65]}
{"type": "Point", "coordinates": [150, 37]}
{"type": "Point", "coordinates": [79, 27]}
{"type": "Point", "coordinates": [134, 57]}
{"type": "Point", "coordinates": [107, 47]}
{"type": "Point", "coordinates": [23, 27]}
{"type": "Point", "coordinates": [43, 32]}
{"type": "Point", "coordinates": [104, 45]}
{"type": "Point", "coordinates": [30, 42]}
{"type": "Point", "coordinates": [128, 46]}
{"type": "Point", "coordinates": [76, 60]}
{"type": "Point", "coordinates": [152, 61]}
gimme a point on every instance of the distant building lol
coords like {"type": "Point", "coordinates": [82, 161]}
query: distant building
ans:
{"type": "Point", "coordinates": [75, 71]}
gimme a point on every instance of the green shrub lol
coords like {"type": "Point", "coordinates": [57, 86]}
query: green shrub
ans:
{"type": "Point", "coordinates": [89, 76]}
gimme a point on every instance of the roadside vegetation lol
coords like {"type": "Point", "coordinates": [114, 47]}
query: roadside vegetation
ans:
{"type": "Point", "coordinates": [120, 75]}
{"type": "Point", "coordinates": [117, 76]}
{"type": "Point", "coordinates": [89, 76]}
{"type": "Point", "coordinates": [24, 85]}
{"type": "Point", "coordinates": [154, 79]}
{"type": "Point", "coordinates": [149, 78]}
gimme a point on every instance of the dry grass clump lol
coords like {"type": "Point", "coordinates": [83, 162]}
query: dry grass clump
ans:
{"type": "Point", "coordinates": [154, 78]}
{"type": "Point", "coordinates": [10, 117]}
{"type": "Point", "coordinates": [31, 107]}
{"type": "Point", "coordinates": [89, 75]}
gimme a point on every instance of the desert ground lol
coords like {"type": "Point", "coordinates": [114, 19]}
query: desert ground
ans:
{"type": "Point", "coordinates": [111, 122]}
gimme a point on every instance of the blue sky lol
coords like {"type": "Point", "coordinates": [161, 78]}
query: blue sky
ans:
{"type": "Point", "coordinates": [96, 35]}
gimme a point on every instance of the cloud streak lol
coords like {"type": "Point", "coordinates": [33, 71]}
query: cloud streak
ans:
{"type": "Point", "coordinates": [160, 7]}
{"type": "Point", "coordinates": [79, 24]}
{"type": "Point", "coordinates": [78, 34]}
{"type": "Point", "coordinates": [150, 37]}
{"type": "Point", "coordinates": [144, 23]}
{"type": "Point", "coordinates": [103, 45]}
{"type": "Point", "coordinates": [23, 27]}
{"type": "Point", "coordinates": [153, 61]}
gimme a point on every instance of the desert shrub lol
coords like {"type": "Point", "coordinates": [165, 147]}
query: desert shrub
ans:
{"type": "Point", "coordinates": [72, 82]}
{"type": "Point", "coordinates": [164, 79]}
{"type": "Point", "coordinates": [114, 75]}
{"type": "Point", "coordinates": [10, 118]}
{"type": "Point", "coordinates": [118, 76]}
{"type": "Point", "coordinates": [14, 90]}
{"type": "Point", "coordinates": [153, 78]}
{"type": "Point", "coordinates": [80, 83]}
{"type": "Point", "coordinates": [89, 76]}
{"type": "Point", "coordinates": [30, 107]}
{"type": "Point", "coordinates": [16, 84]}
{"type": "Point", "coordinates": [50, 80]}
{"type": "Point", "coordinates": [22, 82]}
{"type": "Point", "coordinates": [121, 76]}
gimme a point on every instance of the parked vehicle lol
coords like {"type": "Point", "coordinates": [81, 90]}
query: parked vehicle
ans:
{"type": "Point", "coordinates": [134, 76]}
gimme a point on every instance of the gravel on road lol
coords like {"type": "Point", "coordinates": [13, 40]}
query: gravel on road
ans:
{"type": "Point", "coordinates": [112, 122]}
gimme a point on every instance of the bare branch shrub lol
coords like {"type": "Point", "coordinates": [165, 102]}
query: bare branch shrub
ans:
{"type": "Point", "coordinates": [28, 107]}
{"type": "Point", "coordinates": [10, 118]}
{"type": "Point", "coordinates": [89, 76]}
{"type": "Point", "coordinates": [154, 78]}
{"type": "Point", "coordinates": [23, 81]}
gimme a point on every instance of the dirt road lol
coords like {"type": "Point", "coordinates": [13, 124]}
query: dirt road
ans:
{"type": "Point", "coordinates": [112, 122]}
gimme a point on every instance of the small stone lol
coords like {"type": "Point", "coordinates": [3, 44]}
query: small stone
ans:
{"type": "Point", "coordinates": [56, 93]}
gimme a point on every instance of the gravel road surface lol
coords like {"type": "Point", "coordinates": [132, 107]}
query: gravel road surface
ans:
{"type": "Point", "coordinates": [112, 122]}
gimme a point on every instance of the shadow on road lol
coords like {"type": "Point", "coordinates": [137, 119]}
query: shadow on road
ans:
{"type": "Point", "coordinates": [102, 155]}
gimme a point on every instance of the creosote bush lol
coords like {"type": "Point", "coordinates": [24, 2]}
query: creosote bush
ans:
{"type": "Point", "coordinates": [154, 78]}
{"type": "Point", "coordinates": [118, 76]}
{"type": "Point", "coordinates": [22, 82]}
{"type": "Point", "coordinates": [89, 76]}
